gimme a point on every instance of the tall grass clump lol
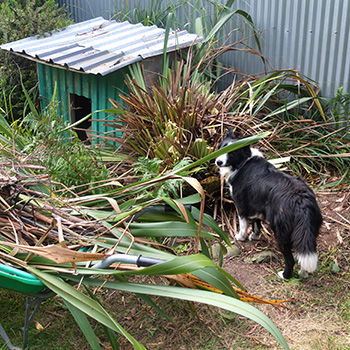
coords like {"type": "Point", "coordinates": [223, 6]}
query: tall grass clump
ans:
{"type": "Point", "coordinates": [316, 139]}
{"type": "Point", "coordinates": [319, 149]}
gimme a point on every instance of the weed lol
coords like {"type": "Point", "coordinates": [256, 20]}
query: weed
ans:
{"type": "Point", "coordinates": [338, 108]}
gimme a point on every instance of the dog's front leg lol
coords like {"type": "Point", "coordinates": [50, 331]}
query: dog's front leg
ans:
{"type": "Point", "coordinates": [243, 227]}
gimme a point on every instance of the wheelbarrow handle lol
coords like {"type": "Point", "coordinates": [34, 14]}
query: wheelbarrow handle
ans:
{"type": "Point", "coordinates": [138, 260]}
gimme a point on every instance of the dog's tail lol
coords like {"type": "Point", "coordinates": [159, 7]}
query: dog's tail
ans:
{"type": "Point", "coordinates": [308, 263]}
{"type": "Point", "coordinates": [304, 239]}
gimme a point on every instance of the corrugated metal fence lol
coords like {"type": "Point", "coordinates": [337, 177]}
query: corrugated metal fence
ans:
{"type": "Point", "coordinates": [311, 36]}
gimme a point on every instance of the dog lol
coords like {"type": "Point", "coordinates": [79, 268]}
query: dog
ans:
{"type": "Point", "coordinates": [286, 203]}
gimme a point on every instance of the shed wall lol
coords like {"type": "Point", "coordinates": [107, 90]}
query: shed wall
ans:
{"type": "Point", "coordinates": [95, 87]}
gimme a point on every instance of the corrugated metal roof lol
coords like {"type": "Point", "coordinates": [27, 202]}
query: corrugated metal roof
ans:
{"type": "Point", "coordinates": [98, 46]}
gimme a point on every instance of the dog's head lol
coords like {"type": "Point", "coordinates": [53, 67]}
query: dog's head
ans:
{"type": "Point", "coordinates": [229, 162]}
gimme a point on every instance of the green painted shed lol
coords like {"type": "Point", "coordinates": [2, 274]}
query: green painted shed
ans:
{"type": "Point", "coordinates": [79, 94]}
{"type": "Point", "coordinates": [86, 63]}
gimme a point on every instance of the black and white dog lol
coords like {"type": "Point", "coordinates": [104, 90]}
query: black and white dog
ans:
{"type": "Point", "coordinates": [286, 203]}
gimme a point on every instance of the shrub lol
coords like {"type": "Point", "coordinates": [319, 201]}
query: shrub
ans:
{"type": "Point", "coordinates": [52, 145]}
{"type": "Point", "coordinates": [44, 16]}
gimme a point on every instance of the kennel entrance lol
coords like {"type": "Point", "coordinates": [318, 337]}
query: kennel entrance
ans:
{"type": "Point", "coordinates": [80, 107]}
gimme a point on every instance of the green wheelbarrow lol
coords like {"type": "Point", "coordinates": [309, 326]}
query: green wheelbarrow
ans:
{"type": "Point", "coordinates": [21, 281]}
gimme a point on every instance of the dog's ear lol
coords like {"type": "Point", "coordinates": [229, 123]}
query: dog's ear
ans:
{"type": "Point", "coordinates": [230, 133]}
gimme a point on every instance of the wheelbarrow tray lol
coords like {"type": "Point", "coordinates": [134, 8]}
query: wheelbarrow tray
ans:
{"type": "Point", "coordinates": [18, 280]}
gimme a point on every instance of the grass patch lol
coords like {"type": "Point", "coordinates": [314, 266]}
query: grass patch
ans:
{"type": "Point", "coordinates": [59, 326]}
{"type": "Point", "coordinates": [206, 327]}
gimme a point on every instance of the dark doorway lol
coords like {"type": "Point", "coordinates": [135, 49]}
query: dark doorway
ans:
{"type": "Point", "coordinates": [80, 107]}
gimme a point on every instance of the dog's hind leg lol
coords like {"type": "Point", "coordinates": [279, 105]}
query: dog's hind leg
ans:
{"type": "Point", "coordinates": [243, 227]}
{"type": "Point", "coordinates": [288, 261]}
{"type": "Point", "coordinates": [256, 230]}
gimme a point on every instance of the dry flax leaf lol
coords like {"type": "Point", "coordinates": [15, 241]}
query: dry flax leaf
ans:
{"type": "Point", "coordinates": [58, 254]}
{"type": "Point", "coordinates": [243, 295]}
{"type": "Point", "coordinates": [184, 280]}
{"type": "Point", "coordinates": [182, 210]}
{"type": "Point", "coordinates": [190, 281]}
{"type": "Point", "coordinates": [198, 187]}
{"type": "Point", "coordinates": [128, 234]}
{"type": "Point", "coordinates": [61, 237]}
{"type": "Point", "coordinates": [42, 238]}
